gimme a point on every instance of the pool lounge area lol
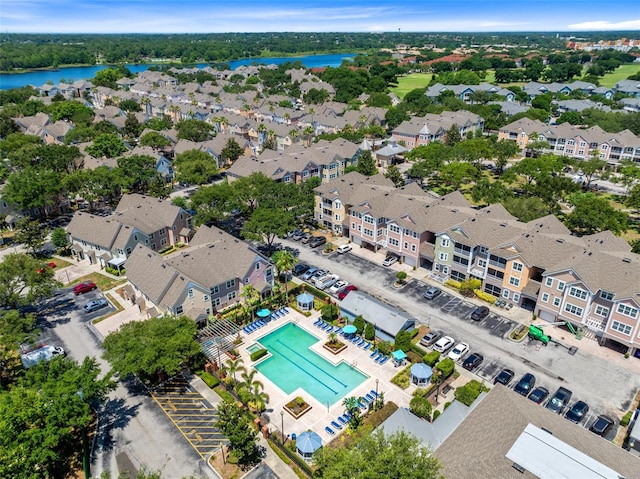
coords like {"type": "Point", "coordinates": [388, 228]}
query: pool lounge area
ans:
{"type": "Point", "coordinates": [283, 389]}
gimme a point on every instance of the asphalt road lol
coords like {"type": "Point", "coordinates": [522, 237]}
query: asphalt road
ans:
{"type": "Point", "coordinates": [607, 388]}
{"type": "Point", "coordinates": [133, 431]}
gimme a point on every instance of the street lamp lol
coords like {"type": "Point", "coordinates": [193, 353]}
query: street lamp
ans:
{"type": "Point", "coordinates": [437, 387]}
{"type": "Point", "coordinates": [282, 425]}
{"type": "Point", "coordinates": [376, 399]}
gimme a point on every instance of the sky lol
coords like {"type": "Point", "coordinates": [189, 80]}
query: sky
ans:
{"type": "Point", "coordinates": [218, 16]}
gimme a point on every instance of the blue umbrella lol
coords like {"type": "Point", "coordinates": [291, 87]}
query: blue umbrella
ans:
{"type": "Point", "coordinates": [349, 329]}
{"type": "Point", "coordinates": [308, 442]}
{"type": "Point", "coordinates": [263, 313]}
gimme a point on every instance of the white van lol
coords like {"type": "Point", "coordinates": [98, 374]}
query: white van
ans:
{"type": "Point", "coordinates": [344, 248]}
{"type": "Point", "coordinates": [326, 281]}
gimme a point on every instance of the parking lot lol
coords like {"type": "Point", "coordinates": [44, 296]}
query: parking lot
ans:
{"type": "Point", "coordinates": [606, 387]}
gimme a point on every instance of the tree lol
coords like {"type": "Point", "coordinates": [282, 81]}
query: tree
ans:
{"type": "Point", "coordinates": [154, 140]}
{"type": "Point", "coordinates": [284, 261]}
{"type": "Point", "coordinates": [266, 224]}
{"type": "Point", "coordinates": [231, 151]}
{"type": "Point", "coordinates": [398, 455]}
{"type": "Point", "coordinates": [59, 238]}
{"type": "Point", "coordinates": [359, 323]}
{"type": "Point", "coordinates": [330, 312]}
{"type": "Point", "coordinates": [420, 406]}
{"type": "Point", "coordinates": [30, 233]}
{"type": "Point", "coordinates": [132, 126]}
{"type": "Point", "coordinates": [235, 425]}
{"type": "Point", "coordinates": [526, 208]}
{"type": "Point", "coordinates": [469, 392]}
{"type": "Point", "coordinates": [15, 329]}
{"type": "Point", "coordinates": [633, 198]}
{"type": "Point", "coordinates": [195, 167]}
{"type": "Point", "coordinates": [369, 332]}
{"type": "Point", "coordinates": [403, 341]}
{"type": "Point", "coordinates": [366, 164]}
{"type": "Point", "coordinates": [352, 405]}
{"type": "Point", "coordinates": [503, 150]}
{"type": "Point", "coordinates": [168, 344]}
{"type": "Point", "coordinates": [394, 174]}
{"type": "Point", "coordinates": [234, 366]}
{"type": "Point", "coordinates": [21, 283]}
{"type": "Point", "coordinates": [452, 136]}
{"type": "Point", "coordinates": [136, 173]}
{"type": "Point", "coordinates": [592, 214]}
{"type": "Point", "coordinates": [108, 145]}
{"type": "Point", "coordinates": [33, 189]}
{"type": "Point", "coordinates": [194, 130]}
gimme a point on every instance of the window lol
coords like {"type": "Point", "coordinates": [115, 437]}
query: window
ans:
{"type": "Point", "coordinates": [231, 296]}
{"type": "Point", "coordinates": [628, 311]}
{"type": "Point", "coordinates": [516, 297]}
{"type": "Point", "coordinates": [163, 242]}
{"type": "Point", "coordinates": [246, 280]}
{"type": "Point", "coordinates": [413, 248]}
{"type": "Point", "coordinates": [394, 228]}
{"type": "Point", "coordinates": [338, 218]}
{"type": "Point", "coordinates": [505, 293]}
{"type": "Point", "coordinates": [231, 283]}
{"type": "Point", "coordinates": [215, 290]}
{"type": "Point", "coordinates": [602, 311]}
{"type": "Point", "coordinates": [577, 293]}
{"type": "Point", "coordinates": [556, 301]}
{"type": "Point", "coordinates": [406, 245]}
{"type": "Point", "coordinates": [444, 242]}
{"type": "Point", "coordinates": [162, 232]}
{"type": "Point", "coordinates": [179, 309]}
{"type": "Point", "coordinates": [135, 237]}
{"type": "Point", "coordinates": [604, 147]}
{"type": "Point", "coordinates": [444, 256]}
{"type": "Point", "coordinates": [414, 234]}
{"type": "Point", "coordinates": [549, 282]}
{"type": "Point", "coordinates": [216, 302]}
{"type": "Point", "coordinates": [514, 281]}
{"type": "Point", "coordinates": [573, 309]}
{"type": "Point", "coordinates": [607, 295]}
{"type": "Point", "coordinates": [545, 297]}
{"type": "Point", "coordinates": [517, 266]}
{"type": "Point", "coordinates": [621, 328]}
{"type": "Point", "coordinates": [191, 293]}
{"type": "Point", "coordinates": [368, 232]}
{"type": "Point", "coordinates": [561, 285]}
{"type": "Point", "coordinates": [353, 226]}
{"type": "Point", "coordinates": [205, 297]}
{"type": "Point", "coordinates": [368, 219]}
{"type": "Point", "coordinates": [393, 242]}
{"type": "Point", "coordinates": [582, 144]}
{"type": "Point", "coordinates": [257, 266]}
{"type": "Point", "coordinates": [482, 263]}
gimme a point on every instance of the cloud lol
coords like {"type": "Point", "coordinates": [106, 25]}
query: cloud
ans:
{"type": "Point", "coordinates": [606, 25]}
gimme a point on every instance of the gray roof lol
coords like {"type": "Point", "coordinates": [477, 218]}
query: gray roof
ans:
{"type": "Point", "coordinates": [146, 213]}
{"type": "Point", "coordinates": [385, 317]}
{"type": "Point", "coordinates": [98, 230]}
{"type": "Point", "coordinates": [479, 445]}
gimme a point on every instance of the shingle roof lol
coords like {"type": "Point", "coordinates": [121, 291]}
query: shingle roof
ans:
{"type": "Point", "coordinates": [146, 213]}
{"type": "Point", "coordinates": [98, 230]}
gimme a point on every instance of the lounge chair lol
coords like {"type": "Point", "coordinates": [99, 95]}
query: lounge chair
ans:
{"type": "Point", "coordinates": [336, 425]}
{"type": "Point", "coordinates": [330, 431]}
{"type": "Point", "coordinates": [384, 360]}
{"type": "Point", "coordinates": [379, 357]}
{"type": "Point", "coordinates": [355, 339]}
{"type": "Point", "coordinates": [374, 393]}
{"type": "Point", "coordinates": [316, 322]}
{"type": "Point", "coordinates": [246, 330]}
{"type": "Point", "coordinates": [367, 346]}
{"type": "Point", "coordinates": [375, 351]}
{"type": "Point", "coordinates": [342, 420]}
{"type": "Point", "coordinates": [370, 397]}
{"type": "Point", "coordinates": [361, 343]}
{"type": "Point", "coordinates": [286, 311]}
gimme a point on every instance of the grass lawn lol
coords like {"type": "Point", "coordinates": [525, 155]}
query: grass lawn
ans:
{"type": "Point", "coordinates": [411, 82]}
{"type": "Point", "coordinates": [620, 73]}
{"type": "Point", "coordinates": [103, 282]}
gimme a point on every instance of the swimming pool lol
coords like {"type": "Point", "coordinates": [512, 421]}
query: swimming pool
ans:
{"type": "Point", "coordinates": [253, 348]}
{"type": "Point", "coordinates": [293, 365]}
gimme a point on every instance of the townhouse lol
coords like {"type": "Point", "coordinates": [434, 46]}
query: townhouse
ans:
{"type": "Point", "coordinates": [138, 219]}
{"type": "Point", "coordinates": [199, 280]}
{"type": "Point", "coordinates": [419, 131]}
{"type": "Point", "coordinates": [466, 92]}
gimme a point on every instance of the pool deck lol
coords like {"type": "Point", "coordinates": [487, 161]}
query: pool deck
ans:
{"type": "Point", "coordinates": [319, 417]}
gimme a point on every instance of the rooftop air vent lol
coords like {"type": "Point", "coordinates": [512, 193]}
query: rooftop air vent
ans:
{"type": "Point", "coordinates": [626, 260]}
{"type": "Point", "coordinates": [518, 467]}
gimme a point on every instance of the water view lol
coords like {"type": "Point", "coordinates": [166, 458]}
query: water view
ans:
{"type": "Point", "coordinates": [38, 78]}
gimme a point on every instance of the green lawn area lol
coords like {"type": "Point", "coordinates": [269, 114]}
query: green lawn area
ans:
{"type": "Point", "coordinates": [620, 73]}
{"type": "Point", "coordinates": [411, 82]}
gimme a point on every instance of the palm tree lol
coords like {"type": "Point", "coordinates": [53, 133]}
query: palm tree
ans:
{"type": "Point", "coordinates": [284, 262]}
{"type": "Point", "coordinates": [260, 398]}
{"type": "Point", "coordinates": [352, 405]}
{"type": "Point", "coordinates": [293, 134]}
{"type": "Point", "coordinates": [250, 295]}
{"type": "Point", "coordinates": [234, 366]}
{"type": "Point", "coordinates": [248, 380]}
{"type": "Point", "coordinates": [308, 133]}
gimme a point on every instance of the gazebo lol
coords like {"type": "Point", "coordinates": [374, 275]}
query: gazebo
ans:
{"type": "Point", "coordinates": [307, 443]}
{"type": "Point", "coordinates": [398, 356]}
{"type": "Point", "coordinates": [421, 374]}
{"type": "Point", "coordinates": [305, 301]}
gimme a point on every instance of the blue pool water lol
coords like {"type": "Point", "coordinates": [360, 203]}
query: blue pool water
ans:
{"type": "Point", "coordinates": [293, 365]}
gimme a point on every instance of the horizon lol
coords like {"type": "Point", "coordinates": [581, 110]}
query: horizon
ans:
{"type": "Point", "coordinates": [332, 16]}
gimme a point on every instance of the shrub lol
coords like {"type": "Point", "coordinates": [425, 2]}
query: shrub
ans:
{"type": "Point", "coordinates": [626, 419]}
{"type": "Point", "coordinates": [401, 276]}
{"type": "Point", "coordinates": [421, 407]}
{"type": "Point", "coordinates": [453, 283]}
{"type": "Point", "coordinates": [431, 358]}
{"type": "Point", "coordinates": [403, 341]}
{"type": "Point", "coordinates": [330, 312]}
{"type": "Point", "coordinates": [258, 354]}
{"type": "Point", "coordinates": [414, 358]}
{"type": "Point", "coordinates": [436, 414]}
{"type": "Point", "coordinates": [385, 347]}
{"type": "Point", "coordinates": [402, 378]}
{"type": "Point", "coordinates": [446, 367]}
{"type": "Point", "coordinates": [418, 350]}
{"type": "Point", "coordinates": [209, 379]}
{"type": "Point", "coordinates": [359, 323]}
{"type": "Point", "coordinates": [469, 392]}
{"type": "Point", "coordinates": [369, 332]}
{"type": "Point", "coordinates": [469, 285]}
{"type": "Point", "coordinates": [447, 404]}
{"type": "Point", "coordinates": [489, 298]}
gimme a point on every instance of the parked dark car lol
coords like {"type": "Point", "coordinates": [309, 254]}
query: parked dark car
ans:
{"type": "Point", "coordinates": [504, 377]}
{"type": "Point", "coordinates": [430, 338]}
{"type": "Point", "coordinates": [300, 268]}
{"type": "Point", "coordinates": [539, 394]}
{"type": "Point", "coordinates": [525, 385]}
{"type": "Point", "coordinates": [602, 425]}
{"type": "Point", "coordinates": [577, 412]}
{"type": "Point", "coordinates": [317, 241]}
{"type": "Point", "coordinates": [432, 293]}
{"type": "Point", "coordinates": [559, 400]}
{"type": "Point", "coordinates": [473, 361]}
{"type": "Point", "coordinates": [480, 313]}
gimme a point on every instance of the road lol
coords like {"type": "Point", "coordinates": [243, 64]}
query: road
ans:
{"type": "Point", "coordinates": [133, 432]}
{"type": "Point", "coordinates": [606, 387]}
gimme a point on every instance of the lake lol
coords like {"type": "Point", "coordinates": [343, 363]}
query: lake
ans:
{"type": "Point", "coordinates": [39, 78]}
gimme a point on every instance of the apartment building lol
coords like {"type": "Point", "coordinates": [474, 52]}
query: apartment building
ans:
{"type": "Point", "coordinates": [419, 131]}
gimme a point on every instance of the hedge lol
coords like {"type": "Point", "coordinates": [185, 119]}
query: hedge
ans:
{"type": "Point", "coordinates": [209, 379]}
{"type": "Point", "coordinates": [489, 298]}
{"type": "Point", "coordinates": [626, 419]}
{"type": "Point", "coordinates": [258, 354]}
{"type": "Point", "coordinates": [413, 357]}
{"type": "Point", "coordinates": [431, 358]}
{"type": "Point", "coordinates": [446, 367]}
{"type": "Point", "coordinates": [418, 350]}
{"type": "Point", "coordinates": [453, 283]}
{"type": "Point", "coordinates": [469, 392]}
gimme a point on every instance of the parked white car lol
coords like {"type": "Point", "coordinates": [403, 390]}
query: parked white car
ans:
{"type": "Point", "coordinates": [327, 281]}
{"type": "Point", "coordinates": [459, 351]}
{"type": "Point", "coordinates": [345, 248]}
{"type": "Point", "coordinates": [443, 344]}
{"type": "Point", "coordinates": [338, 286]}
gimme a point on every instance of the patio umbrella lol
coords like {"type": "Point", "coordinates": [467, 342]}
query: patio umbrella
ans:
{"type": "Point", "coordinates": [308, 442]}
{"type": "Point", "coordinates": [349, 329]}
{"type": "Point", "coordinates": [399, 355]}
{"type": "Point", "coordinates": [263, 313]}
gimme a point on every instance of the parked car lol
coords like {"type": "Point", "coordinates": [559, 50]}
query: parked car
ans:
{"type": "Point", "coordinates": [459, 351]}
{"type": "Point", "coordinates": [95, 305]}
{"type": "Point", "coordinates": [430, 338]}
{"type": "Point", "coordinates": [338, 286]}
{"type": "Point", "coordinates": [343, 294]}
{"type": "Point", "coordinates": [84, 287]}
{"type": "Point", "coordinates": [432, 293]}
{"type": "Point", "coordinates": [50, 264]}
{"type": "Point", "coordinates": [297, 235]}
{"type": "Point", "coordinates": [345, 248]}
{"type": "Point", "coordinates": [307, 274]}
{"type": "Point", "coordinates": [525, 384]}
{"type": "Point", "coordinates": [539, 394]}
{"type": "Point", "coordinates": [326, 281]}
{"type": "Point", "coordinates": [306, 238]}
{"type": "Point", "coordinates": [577, 412]}
{"type": "Point", "coordinates": [443, 344]}
{"type": "Point", "coordinates": [480, 313]}
{"type": "Point", "coordinates": [473, 361]}
{"type": "Point", "coordinates": [504, 377]}
{"type": "Point", "coordinates": [300, 268]}
{"type": "Point", "coordinates": [559, 400]}
{"type": "Point", "coordinates": [317, 275]}
{"type": "Point", "coordinates": [602, 425]}
{"type": "Point", "coordinates": [294, 251]}
{"type": "Point", "coordinates": [317, 241]}
{"type": "Point", "coordinates": [389, 260]}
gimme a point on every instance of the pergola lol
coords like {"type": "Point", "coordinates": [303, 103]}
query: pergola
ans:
{"type": "Point", "coordinates": [217, 338]}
